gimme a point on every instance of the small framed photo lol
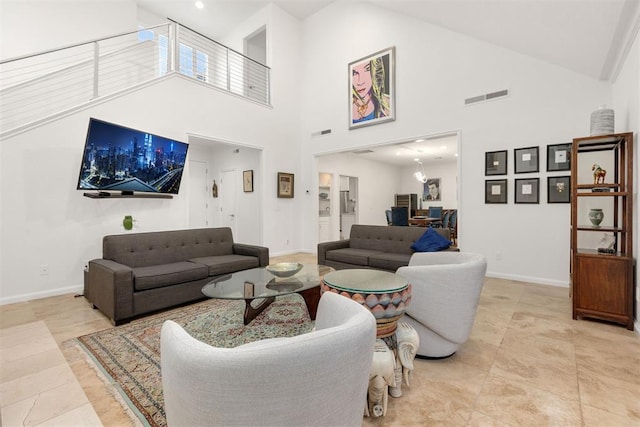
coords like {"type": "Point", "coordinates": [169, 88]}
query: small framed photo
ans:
{"type": "Point", "coordinates": [526, 160]}
{"type": "Point", "coordinates": [558, 189]}
{"type": "Point", "coordinates": [247, 181]}
{"type": "Point", "coordinates": [528, 190]}
{"type": "Point", "coordinates": [559, 157]}
{"type": "Point", "coordinates": [285, 185]}
{"type": "Point", "coordinates": [431, 191]}
{"type": "Point", "coordinates": [495, 163]}
{"type": "Point", "coordinates": [495, 191]}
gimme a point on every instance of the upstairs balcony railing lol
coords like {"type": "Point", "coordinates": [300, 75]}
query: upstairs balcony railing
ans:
{"type": "Point", "coordinates": [36, 88]}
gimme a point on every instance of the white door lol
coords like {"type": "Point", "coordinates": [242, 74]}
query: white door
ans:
{"type": "Point", "coordinates": [227, 191]}
{"type": "Point", "coordinates": [198, 194]}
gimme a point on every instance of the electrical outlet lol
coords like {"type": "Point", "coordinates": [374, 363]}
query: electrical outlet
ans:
{"type": "Point", "coordinates": [498, 256]}
{"type": "Point", "coordinates": [44, 269]}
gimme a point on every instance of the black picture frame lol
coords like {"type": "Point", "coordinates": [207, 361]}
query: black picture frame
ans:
{"type": "Point", "coordinates": [495, 163]}
{"type": "Point", "coordinates": [495, 191]}
{"type": "Point", "coordinates": [559, 157]}
{"type": "Point", "coordinates": [559, 189]}
{"type": "Point", "coordinates": [527, 190]}
{"type": "Point", "coordinates": [526, 160]}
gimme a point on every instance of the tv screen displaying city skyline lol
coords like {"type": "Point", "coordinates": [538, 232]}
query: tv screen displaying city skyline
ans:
{"type": "Point", "coordinates": [117, 158]}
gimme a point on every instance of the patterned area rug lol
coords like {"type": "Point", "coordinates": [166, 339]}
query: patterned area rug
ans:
{"type": "Point", "coordinates": [130, 354]}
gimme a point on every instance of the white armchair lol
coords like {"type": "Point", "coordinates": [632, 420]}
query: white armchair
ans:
{"type": "Point", "coordinates": [446, 289]}
{"type": "Point", "coordinates": [319, 378]}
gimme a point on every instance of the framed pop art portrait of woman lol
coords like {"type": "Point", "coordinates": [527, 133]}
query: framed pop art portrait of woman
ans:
{"type": "Point", "coordinates": [372, 89]}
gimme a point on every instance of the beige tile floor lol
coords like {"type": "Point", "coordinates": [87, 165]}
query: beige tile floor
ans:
{"type": "Point", "coordinates": [527, 363]}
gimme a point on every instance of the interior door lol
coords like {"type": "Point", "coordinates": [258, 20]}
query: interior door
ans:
{"type": "Point", "coordinates": [228, 204]}
{"type": "Point", "coordinates": [198, 194]}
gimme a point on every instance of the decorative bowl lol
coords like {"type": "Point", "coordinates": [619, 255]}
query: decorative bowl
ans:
{"type": "Point", "coordinates": [324, 195]}
{"type": "Point", "coordinates": [284, 286]}
{"type": "Point", "coordinates": [284, 269]}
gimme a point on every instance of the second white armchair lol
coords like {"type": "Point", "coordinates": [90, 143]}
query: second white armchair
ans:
{"type": "Point", "coordinates": [446, 289]}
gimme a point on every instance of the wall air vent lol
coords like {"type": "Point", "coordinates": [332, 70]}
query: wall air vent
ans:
{"type": "Point", "coordinates": [365, 151]}
{"type": "Point", "coordinates": [487, 97]}
{"type": "Point", "coordinates": [322, 132]}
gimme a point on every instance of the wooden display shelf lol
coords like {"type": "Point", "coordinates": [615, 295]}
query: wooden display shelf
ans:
{"type": "Point", "coordinates": [602, 285]}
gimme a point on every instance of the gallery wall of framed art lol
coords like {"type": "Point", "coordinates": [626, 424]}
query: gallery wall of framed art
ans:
{"type": "Point", "coordinates": [526, 160]}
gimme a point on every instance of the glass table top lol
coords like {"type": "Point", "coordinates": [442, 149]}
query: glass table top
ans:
{"type": "Point", "coordinates": [259, 283]}
{"type": "Point", "coordinates": [366, 281]}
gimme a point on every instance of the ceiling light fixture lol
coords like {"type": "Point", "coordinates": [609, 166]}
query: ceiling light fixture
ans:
{"type": "Point", "coordinates": [419, 174]}
{"type": "Point", "coordinates": [199, 5]}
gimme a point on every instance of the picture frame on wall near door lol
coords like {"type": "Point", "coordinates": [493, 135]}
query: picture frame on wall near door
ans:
{"type": "Point", "coordinates": [247, 181]}
{"type": "Point", "coordinates": [285, 185]}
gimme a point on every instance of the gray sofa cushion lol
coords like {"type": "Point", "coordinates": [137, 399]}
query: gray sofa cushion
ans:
{"type": "Point", "coordinates": [164, 247]}
{"type": "Point", "coordinates": [390, 239]}
{"type": "Point", "coordinates": [224, 264]}
{"type": "Point", "coordinates": [388, 261]}
{"type": "Point", "coordinates": [157, 276]}
{"type": "Point", "coordinates": [352, 256]}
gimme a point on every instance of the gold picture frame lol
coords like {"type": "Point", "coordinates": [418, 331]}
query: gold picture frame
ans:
{"type": "Point", "coordinates": [247, 181]}
{"type": "Point", "coordinates": [285, 185]}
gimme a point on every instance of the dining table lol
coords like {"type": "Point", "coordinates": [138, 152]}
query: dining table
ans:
{"type": "Point", "coordinates": [423, 221]}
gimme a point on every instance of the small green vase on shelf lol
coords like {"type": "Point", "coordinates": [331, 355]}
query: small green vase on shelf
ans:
{"type": "Point", "coordinates": [596, 216]}
{"type": "Point", "coordinates": [127, 222]}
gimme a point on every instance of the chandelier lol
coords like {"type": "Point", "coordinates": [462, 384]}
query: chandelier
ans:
{"type": "Point", "coordinates": [419, 174]}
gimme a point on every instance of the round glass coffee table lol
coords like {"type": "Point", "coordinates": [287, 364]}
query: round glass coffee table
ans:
{"type": "Point", "coordinates": [259, 284]}
{"type": "Point", "coordinates": [385, 294]}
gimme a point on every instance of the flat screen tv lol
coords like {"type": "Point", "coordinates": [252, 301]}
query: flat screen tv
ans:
{"type": "Point", "coordinates": [117, 158]}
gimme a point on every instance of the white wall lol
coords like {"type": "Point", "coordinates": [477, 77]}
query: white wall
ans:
{"type": "Point", "coordinates": [435, 71]}
{"type": "Point", "coordinates": [45, 221]}
{"type": "Point", "coordinates": [626, 99]}
{"type": "Point", "coordinates": [34, 26]}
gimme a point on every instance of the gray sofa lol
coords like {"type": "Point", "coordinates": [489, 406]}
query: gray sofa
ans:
{"type": "Point", "coordinates": [143, 272]}
{"type": "Point", "coordinates": [382, 247]}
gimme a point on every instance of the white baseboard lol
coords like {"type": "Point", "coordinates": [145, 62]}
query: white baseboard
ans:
{"type": "Point", "coordinates": [44, 294]}
{"type": "Point", "coordinates": [534, 280]}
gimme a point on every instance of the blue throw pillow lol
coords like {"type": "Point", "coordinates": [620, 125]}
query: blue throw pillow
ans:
{"type": "Point", "coordinates": [430, 241]}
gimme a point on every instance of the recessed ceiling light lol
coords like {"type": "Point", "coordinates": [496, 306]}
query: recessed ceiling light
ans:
{"type": "Point", "coordinates": [199, 5]}
{"type": "Point", "coordinates": [419, 140]}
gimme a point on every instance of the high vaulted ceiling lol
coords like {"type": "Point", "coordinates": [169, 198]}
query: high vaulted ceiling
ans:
{"type": "Point", "coordinates": [590, 37]}
{"type": "Point", "coordinates": [586, 36]}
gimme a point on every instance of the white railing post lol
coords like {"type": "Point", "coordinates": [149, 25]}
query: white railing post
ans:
{"type": "Point", "coordinates": [174, 47]}
{"type": "Point", "coordinates": [228, 71]}
{"type": "Point", "coordinates": [96, 68]}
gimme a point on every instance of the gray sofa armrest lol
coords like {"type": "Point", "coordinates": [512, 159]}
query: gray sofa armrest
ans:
{"type": "Point", "coordinates": [324, 247]}
{"type": "Point", "coordinates": [111, 287]}
{"type": "Point", "coordinates": [260, 252]}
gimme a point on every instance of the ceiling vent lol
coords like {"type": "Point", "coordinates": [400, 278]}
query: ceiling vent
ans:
{"type": "Point", "coordinates": [487, 97]}
{"type": "Point", "coordinates": [365, 151]}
